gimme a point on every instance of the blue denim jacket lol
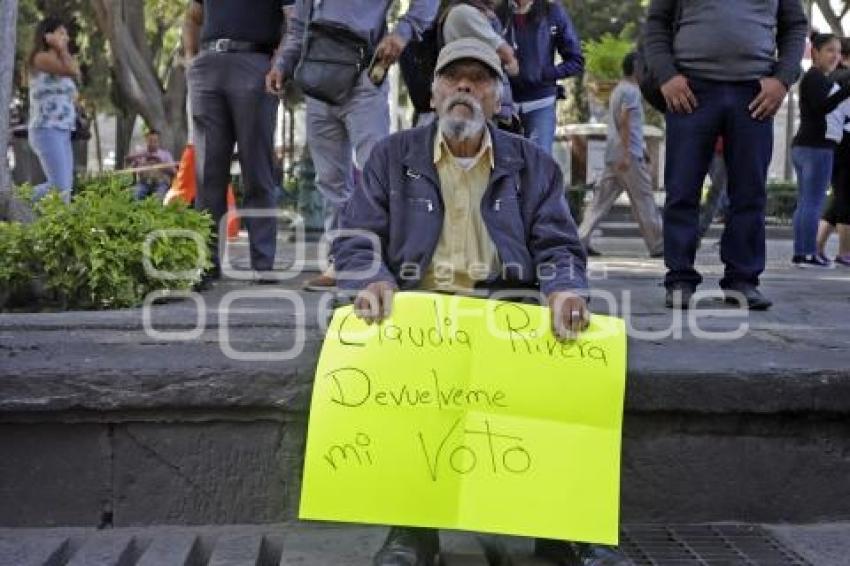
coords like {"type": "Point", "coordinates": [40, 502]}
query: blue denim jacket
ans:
{"type": "Point", "coordinates": [399, 202]}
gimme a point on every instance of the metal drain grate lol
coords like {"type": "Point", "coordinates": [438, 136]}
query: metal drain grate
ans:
{"type": "Point", "coordinates": [708, 545]}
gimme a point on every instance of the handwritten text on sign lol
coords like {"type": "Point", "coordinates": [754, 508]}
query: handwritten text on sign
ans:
{"type": "Point", "coordinates": [468, 414]}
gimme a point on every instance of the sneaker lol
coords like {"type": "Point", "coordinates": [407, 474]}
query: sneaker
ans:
{"type": "Point", "coordinates": [324, 282]}
{"type": "Point", "coordinates": [679, 295]}
{"type": "Point", "coordinates": [816, 261]}
{"type": "Point", "coordinates": [843, 260]}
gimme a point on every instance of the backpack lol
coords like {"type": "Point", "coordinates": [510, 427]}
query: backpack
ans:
{"type": "Point", "coordinates": [649, 84]}
{"type": "Point", "coordinates": [417, 64]}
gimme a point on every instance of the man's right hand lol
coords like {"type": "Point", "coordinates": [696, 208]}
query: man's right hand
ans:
{"type": "Point", "coordinates": [274, 81]}
{"type": "Point", "coordinates": [679, 96]}
{"type": "Point", "coordinates": [375, 302]}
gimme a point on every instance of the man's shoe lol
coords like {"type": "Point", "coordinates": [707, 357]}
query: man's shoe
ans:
{"type": "Point", "coordinates": [208, 277]}
{"type": "Point", "coordinates": [843, 260]}
{"type": "Point", "coordinates": [598, 555]}
{"type": "Point", "coordinates": [324, 282]}
{"type": "Point", "coordinates": [593, 252]}
{"type": "Point", "coordinates": [657, 255]}
{"type": "Point", "coordinates": [265, 278]}
{"type": "Point", "coordinates": [679, 296]}
{"type": "Point", "coordinates": [408, 546]}
{"type": "Point", "coordinates": [560, 552]}
{"type": "Point", "coordinates": [754, 299]}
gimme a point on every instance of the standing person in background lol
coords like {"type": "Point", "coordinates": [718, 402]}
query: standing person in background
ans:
{"type": "Point", "coordinates": [837, 215]}
{"type": "Point", "coordinates": [230, 49]}
{"type": "Point", "coordinates": [457, 19]}
{"type": "Point", "coordinates": [338, 131]}
{"type": "Point", "coordinates": [538, 29]}
{"type": "Point", "coordinates": [477, 19]}
{"type": "Point", "coordinates": [724, 70]}
{"type": "Point", "coordinates": [626, 166]}
{"type": "Point", "coordinates": [53, 91]}
{"type": "Point", "coordinates": [813, 150]}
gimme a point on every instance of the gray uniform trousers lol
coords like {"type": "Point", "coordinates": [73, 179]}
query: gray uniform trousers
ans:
{"type": "Point", "coordinates": [230, 105]}
{"type": "Point", "coordinates": [637, 182]}
{"type": "Point", "coordinates": [335, 133]}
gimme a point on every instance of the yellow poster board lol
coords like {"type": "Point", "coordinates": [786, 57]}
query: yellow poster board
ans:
{"type": "Point", "coordinates": [466, 413]}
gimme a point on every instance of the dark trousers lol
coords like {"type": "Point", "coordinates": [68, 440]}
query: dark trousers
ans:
{"type": "Point", "coordinates": [838, 211]}
{"type": "Point", "coordinates": [230, 105]}
{"type": "Point", "coordinates": [748, 147]}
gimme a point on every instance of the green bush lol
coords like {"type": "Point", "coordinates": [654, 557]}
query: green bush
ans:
{"type": "Point", "coordinates": [15, 253]}
{"type": "Point", "coordinates": [781, 200]}
{"type": "Point", "coordinates": [90, 253]}
{"type": "Point", "coordinates": [604, 57]}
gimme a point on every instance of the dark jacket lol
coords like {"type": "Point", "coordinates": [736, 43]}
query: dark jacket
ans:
{"type": "Point", "coordinates": [725, 40]}
{"type": "Point", "coordinates": [536, 45]}
{"type": "Point", "coordinates": [399, 201]}
{"type": "Point", "coordinates": [819, 96]}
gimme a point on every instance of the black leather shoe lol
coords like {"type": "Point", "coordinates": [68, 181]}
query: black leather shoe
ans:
{"type": "Point", "coordinates": [598, 555]}
{"type": "Point", "coordinates": [679, 296]}
{"type": "Point", "coordinates": [495, 551]}
{"type": "Point", "coordinates": [560, 552]}
{"type": "Point", "coordinates": [408, 546]}
{"type": "Point", "coordinates": [754, 299]}
{"type": "Point", "coordinates": [565, 553]}
{"type": "Point", "coordinates": [208, 277]}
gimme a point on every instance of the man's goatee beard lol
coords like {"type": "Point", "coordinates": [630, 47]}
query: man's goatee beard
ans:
{"type": "Point", "coordinates": [461, 129]}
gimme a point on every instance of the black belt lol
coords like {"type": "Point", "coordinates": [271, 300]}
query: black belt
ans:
{"type": "Point", "coordinates": [233, 46]}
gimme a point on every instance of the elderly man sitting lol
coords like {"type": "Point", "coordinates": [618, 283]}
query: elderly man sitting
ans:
{"type": "Point", "coordinates": [459, 206]}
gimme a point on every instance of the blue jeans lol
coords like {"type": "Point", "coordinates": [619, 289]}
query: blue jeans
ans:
{"type": "Point", "coordinates": [53, 148]}
{"type": "Point", "coordinates": [748, 147]}
{"type": "Point", "coordinates": [814, 171]}
{"type": "Point", "coordinates": [144, 189]}
{"type": "Point", "coordinates": [539, 126]}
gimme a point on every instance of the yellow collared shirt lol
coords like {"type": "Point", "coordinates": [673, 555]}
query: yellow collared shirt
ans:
{"type": "Point", "coordinates": [465, 253]}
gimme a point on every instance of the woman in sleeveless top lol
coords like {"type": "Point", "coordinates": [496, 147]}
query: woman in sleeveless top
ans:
{"type": "Point", "coordinates": [52, 71]}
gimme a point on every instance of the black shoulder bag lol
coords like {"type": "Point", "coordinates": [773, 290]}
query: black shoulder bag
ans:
{"type": "Point", "coordinates": [332, 58]}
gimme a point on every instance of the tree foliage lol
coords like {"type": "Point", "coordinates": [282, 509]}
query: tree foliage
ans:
{"type": "Point", "coordinates": [128, 51]}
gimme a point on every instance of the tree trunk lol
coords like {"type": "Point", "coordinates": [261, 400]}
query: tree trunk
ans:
{"type": "Point", "coordinates": [8, 21]}
{"type": "Point", "coordinates": [98, 141]}
{"type": "Point", "coordinates": [124, 122]}
{"type": "Point", "coordinates": [141, 90]}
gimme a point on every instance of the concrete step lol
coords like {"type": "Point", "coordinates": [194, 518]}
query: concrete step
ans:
{"type": "Point", "coordinates": [103, 423]}
{"type": "Point", "coordinates": [301, 544]}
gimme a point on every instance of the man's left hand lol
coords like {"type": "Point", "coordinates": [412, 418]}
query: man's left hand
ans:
{"type": "Point", "coordinates": [570, 315]}
{"type": "Point", "coordinates": [390, 48]}
{"type": "Point", "coordinates": [769, 100]}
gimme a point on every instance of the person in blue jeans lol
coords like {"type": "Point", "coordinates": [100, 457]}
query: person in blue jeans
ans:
{"type": "Point", "coordinates": [538, 31]}
{"type": "Point", "coordinates": [814, 146]}
{"type": "Point", "coordinates": [53, 92]}
{"type": "Point", "coordinates": [724, 70]}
